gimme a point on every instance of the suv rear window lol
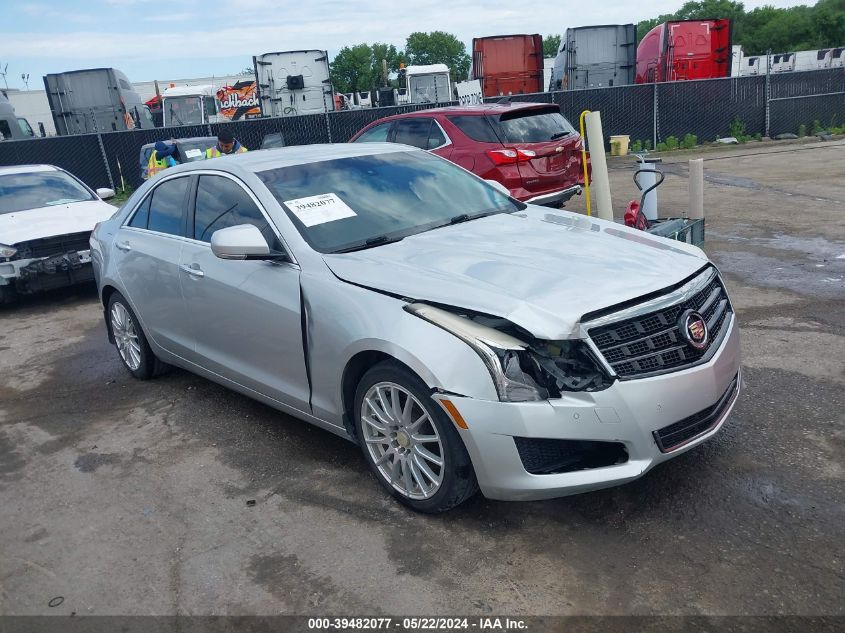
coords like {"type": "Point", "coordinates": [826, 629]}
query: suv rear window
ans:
{"type": "Point", "coordinates": [534, 126]}
{"type": "Point", "coordinates": [477, 128]}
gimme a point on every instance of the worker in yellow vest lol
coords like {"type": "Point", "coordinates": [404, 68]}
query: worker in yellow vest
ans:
{"type": "Point", "coordinates": [161, 158]}
{"type": "Point", "coordinates": [226, 144]}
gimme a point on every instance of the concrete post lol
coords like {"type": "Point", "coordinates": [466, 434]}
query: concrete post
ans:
{"type": "Point", "coordinates": [600, 181]}
{"type": "Point", "coordinates": [696, 189]}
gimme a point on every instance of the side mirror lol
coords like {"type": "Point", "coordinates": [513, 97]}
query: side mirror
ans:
{"type": "Point", "coordinates": [243, 241]}
{"type": "Point", "coordinates": [497, 185]}
{"type": "Point", "coordinates": [104, 193]}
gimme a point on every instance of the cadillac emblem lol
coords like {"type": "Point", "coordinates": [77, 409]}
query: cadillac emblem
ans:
{"type": "Point", "coordinates": [693, 329]}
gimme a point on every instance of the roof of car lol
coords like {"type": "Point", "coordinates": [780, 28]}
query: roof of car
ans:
{"type": "Point", "coordinates": [26, 169]}
{"type": "Point", "coordinates": [262, 160]}
{"type": "Point", "coordinates": [483, 108]}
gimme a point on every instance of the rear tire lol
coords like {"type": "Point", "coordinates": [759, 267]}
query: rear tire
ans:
{"type": "Point", "coordinates": [131, 342]}
{"type": "Point", "coordinates": [408, 441]}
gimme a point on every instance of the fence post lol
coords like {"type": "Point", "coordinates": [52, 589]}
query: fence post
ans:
{"type": "Point", "coordinates": [328, 126]}
{"type": "Point", "coordinates": [655, 120]}
{"type": "Point", "coordinates": [105, 159]}
{"type": "Point", "coordinates": [768, 89]}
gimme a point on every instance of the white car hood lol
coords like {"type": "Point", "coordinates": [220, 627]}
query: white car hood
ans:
{"type": "Point", "coordinates": [60, 219]}
{"type": "Point", "coordinates": [541, 269]}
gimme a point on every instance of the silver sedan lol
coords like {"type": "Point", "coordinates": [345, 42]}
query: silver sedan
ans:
{"type": "Point", "coordinates": [462, 339]}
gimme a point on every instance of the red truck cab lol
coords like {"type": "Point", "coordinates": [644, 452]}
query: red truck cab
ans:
{"type": "Point", "coordinates": [684, 50]}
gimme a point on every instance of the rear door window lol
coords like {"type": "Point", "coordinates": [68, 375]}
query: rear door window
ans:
{"type": "Point", "coordinates": [166, 208]}
{"type": "Point", "coordinates": [142, 214]}
{"type": "Point", "coordinates": [412, 132]}
{"type": "Point", "coordinates": [377, 134]}
{"type": "Point", "coordinates": [221, 202]}
{"type": "Point", "coordinates": [477, 128]}
{"type": "Point", "coordinates": [534, 126]}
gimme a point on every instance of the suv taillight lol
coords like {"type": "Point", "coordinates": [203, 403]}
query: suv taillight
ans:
{"type": "Point", "coordinates": [510, 156]}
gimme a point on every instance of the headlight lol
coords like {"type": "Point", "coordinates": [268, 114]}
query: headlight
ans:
{"type": "Point", "coordinates": [522, 372]}
{"type": "Point", "coordinates": [7, 252]}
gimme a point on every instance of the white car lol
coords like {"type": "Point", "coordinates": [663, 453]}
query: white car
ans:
{"type": "Point", "coordinates": [46, 219]}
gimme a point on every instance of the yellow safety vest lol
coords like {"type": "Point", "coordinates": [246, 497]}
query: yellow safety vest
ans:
{"type": "Point", "coordinates": [155, 165]}
{"type": "Point", "coordinates": [213, 152]}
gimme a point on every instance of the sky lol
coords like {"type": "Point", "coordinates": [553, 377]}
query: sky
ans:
{"type": "Point", "coordinates": [179, 39]}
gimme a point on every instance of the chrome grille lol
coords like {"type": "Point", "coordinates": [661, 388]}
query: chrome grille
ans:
{"type": "Point", "coordinates": [650, 341]}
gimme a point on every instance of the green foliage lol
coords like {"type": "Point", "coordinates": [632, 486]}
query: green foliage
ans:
{"type": "Point", "coordinates": [662, 147]}
{"type": "Point", "coordinates": [672, 143]}
{"type": "Point", "coordinates": [352, 68]}
{"type": "Point", "coordinates": [690, 141]}
{"type": "Point", "coordinates": [360, 67]}
{"type": "Point", "coordinates": [758, 137]}
{"type": "Point", "coordinates": [636, 147]}
{"type": "Point", "coordinates": [817, 127]}
{"type": "Point", "coordinates": [802, 130]}
{"type": "Point", "coordinates": [647, 145]}
{"type": "Point", "coordinates": [768, 28]}
{"type": "Point", "coordinates": [551, 45]}
{"type": "Point", "coordinates": [439, 47]}
{"type": "Point", "coordinates": [737, 129]}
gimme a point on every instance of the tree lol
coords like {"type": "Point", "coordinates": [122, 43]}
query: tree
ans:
{"type": "Point", "coordinates": [352, 69]}
{"type": "Point", "coordinates": [551, 45]}
{"type": "Point", "coordinates": [249, 70]}
{"type": "Point", "coordinates": [438, 47]}
{"type": "Point", "coordinates": [387, 52]}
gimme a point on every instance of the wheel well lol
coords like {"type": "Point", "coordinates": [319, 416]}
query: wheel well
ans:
{"type": "Point", "coordinates": [108, 291]}
{"type": "Point", "coordinates": [355, 369]}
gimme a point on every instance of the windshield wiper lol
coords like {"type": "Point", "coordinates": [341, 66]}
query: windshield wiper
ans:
{"type": "Point", "coordinates": [558, 135]}
{"type": "Point", "coordinates": [379, 240]}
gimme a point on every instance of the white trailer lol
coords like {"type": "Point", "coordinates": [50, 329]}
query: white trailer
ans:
{"type": "Point", "coordinates": [294, 82]}
{"type": "Point", "coordinates": [428, 83]}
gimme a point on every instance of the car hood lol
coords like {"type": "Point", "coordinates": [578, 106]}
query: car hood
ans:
{"type": "Point", "coordinates": [540, 269]}
{"type": "Point", "coordinates": [60, 219]}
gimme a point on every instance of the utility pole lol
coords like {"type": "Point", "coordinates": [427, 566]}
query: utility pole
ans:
{"type": "Point", "coordinates": [3, 70]}
{"type": "Point", "coordinates": [25, 79]}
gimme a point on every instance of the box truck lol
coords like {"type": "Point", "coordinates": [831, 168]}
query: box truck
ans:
{"type": "Point", "coordinates": [596, 57]}
{"type": "Point", "coordinates": [293, 82]}
{"type": "Point", "coordinates": [95, 100]}
{"type": "Point", "coordinates": [685, 49]}
{"type": "Point", "coordinates": [508, 64]}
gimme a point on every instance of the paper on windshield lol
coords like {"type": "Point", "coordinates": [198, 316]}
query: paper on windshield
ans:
{"type": "Point", "coordinates": [314, 210]}
{"type": "Point", "coordinates": [193, 153]}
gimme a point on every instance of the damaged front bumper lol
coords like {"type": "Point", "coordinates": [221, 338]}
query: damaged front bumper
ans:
{"type": "Point", "coordinates": [47, 273]}
{"type": "Point", "coordinates": [590, 440]}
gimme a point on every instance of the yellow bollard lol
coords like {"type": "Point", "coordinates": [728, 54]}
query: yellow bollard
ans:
{"type": "Point", "coordinates": [584, 160]}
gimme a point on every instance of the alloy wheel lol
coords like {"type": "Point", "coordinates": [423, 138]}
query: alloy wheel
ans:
{"type": "Point", "coordinates": [126, 336]}
{"type": "Point", "coordinates": [402, 440]}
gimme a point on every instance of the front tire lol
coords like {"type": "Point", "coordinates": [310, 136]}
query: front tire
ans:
{"type": "Point", "coordinates": [408, 441]}
{"type": "Point", "coordinates": [129, 339]}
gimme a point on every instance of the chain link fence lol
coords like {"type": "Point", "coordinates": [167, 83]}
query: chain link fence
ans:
{"type": "Point", "coordinates": [707, 108]}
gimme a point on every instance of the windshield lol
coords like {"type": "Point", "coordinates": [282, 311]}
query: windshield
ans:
{"type": "Point", "coordinates": [33, 190]}
{"type": "Point", "coordinates": [182, 111]}
{"type": "Point", "coordinates": [343, 204]}
{"type": "Point", "coordinates": [429, 88]}
{"type": "Point", "coordinates": [534, 126]}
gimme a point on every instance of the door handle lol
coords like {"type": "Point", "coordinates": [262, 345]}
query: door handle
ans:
{"type": "Point", "coordinates": [124, 246]}
{"type": "Point", "coordinates": [194, 272]}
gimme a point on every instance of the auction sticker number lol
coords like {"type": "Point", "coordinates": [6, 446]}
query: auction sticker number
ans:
{"type": "Point", "coordinates": [314, 210]}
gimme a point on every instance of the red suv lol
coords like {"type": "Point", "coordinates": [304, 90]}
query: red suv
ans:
{"type": "Point", "coordinates": [528, 147]}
